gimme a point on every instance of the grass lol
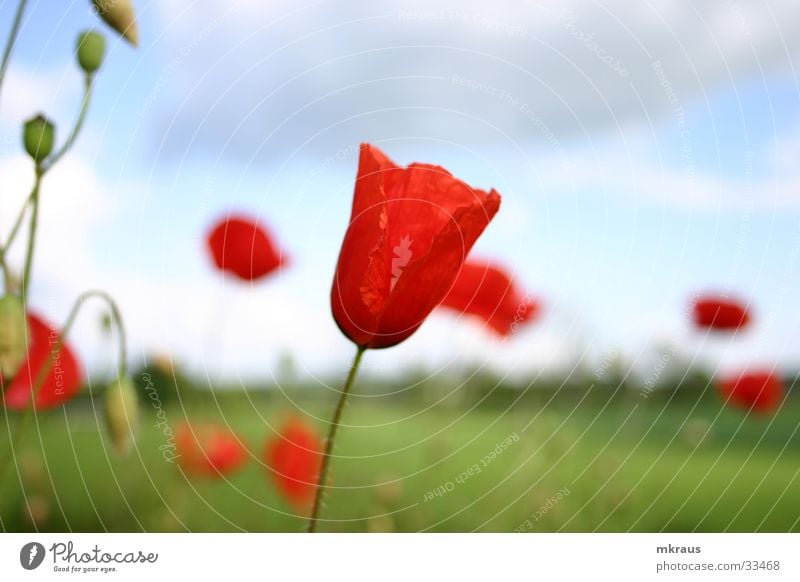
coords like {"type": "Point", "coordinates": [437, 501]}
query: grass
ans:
{"type": "Point", "coordinates": [573, 463]}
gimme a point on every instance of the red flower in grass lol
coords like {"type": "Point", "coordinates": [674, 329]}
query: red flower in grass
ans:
{"type": "Point", "coordinates": [294, 457]}
{"type": "Point", "coordinates": [244, 248]}
{"type": "Point", "coordinates": [759, 391]}
{"type": "Point", "coordinates": [719, 313]}
{"type": "Point", "coordinates": [487, 291]}
{"type": "Point", "coordinates": [209, 450]}
{"type": "Point", "coordinates": [61, 382]}
{"type": "Point", "coordinates": [409, 233]}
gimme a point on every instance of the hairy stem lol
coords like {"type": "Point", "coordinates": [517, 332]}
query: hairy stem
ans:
{"type": "Point", "coordinates": [322, 483]}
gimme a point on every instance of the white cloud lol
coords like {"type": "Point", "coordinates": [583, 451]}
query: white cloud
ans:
{"type": "Point", "coordinates": [320, 75]}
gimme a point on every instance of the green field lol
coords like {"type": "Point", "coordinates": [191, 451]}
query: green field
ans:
{"type": "Point", "coordinates": [578, 460]}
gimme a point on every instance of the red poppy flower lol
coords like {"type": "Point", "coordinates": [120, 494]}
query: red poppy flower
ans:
{"type": "Point", "coordinates": [209, 450]}
{"type": "Point", "coordinates": [719, 313]}
{"type": "Point", "coordinates": [486, 291]}
{"type": "Point", "coordinates": [61, 382]}
{"type": "Point", "coordinates": [243, 247]}
{"type": "Point", "coordinates": [409, 233]}
{"type": "Point", "coordinates": [294, 457]}
{"type": "Point", "coordinates": [759, 391]}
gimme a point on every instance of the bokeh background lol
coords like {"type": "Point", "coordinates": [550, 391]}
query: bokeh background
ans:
{"type": "Point", "coordinates": [644, 153]}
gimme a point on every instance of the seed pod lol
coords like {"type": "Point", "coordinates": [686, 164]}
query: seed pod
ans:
{"type": "Point", "coordinates": [13, 335]}
{"type": "Point", "coordinates": [122, 414]}
{"type": "Point", "coordinates": [119, 15]}
{"type": "Point", "coordinates": [38, 137]}
{"type": "Point", "coordinates": [90, 49]}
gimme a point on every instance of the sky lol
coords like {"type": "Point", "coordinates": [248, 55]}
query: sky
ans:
{"type": "Point", "coordinates": [645, 152]}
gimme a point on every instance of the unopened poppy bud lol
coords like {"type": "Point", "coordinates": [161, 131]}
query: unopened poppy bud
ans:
{"type": "Point", "coordinates": [119, 15]}
{"type": "Point", "coordinates": [122, 414]}
{"type": "Point", "coordinates": [13, 333]}
{"type": "Point", "coordinates": [38, 137]}
{"type": "Point", "coordinates": [91, 48]}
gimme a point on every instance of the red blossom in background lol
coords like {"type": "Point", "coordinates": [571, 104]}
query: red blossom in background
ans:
{"type": "Point", "coordinates": [409, 233]}
{"type": "Point", "coordinates": [294, 457]}
{"type": "Point", "coordinates": [759, 391]}
{"type": "Point", "coordinates": [485, 290]}
{"type": "Point", "coordinates": [209, 450]}
{"type": "Point", "coordinates": [720, 313]}
{"type": "Point", "coordinates": [61, 382]}
{"type": "Point", "coordinates": [244, 248]}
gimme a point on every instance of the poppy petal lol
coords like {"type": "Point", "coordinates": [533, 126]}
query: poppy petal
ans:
{"type": "Point", "coordinates": [759, 391]}
{"type": "Point", "coordinates": [409, 233]}
{"type": "Point", "coordinates": [244, 248]}
{"type": "Point", "coordinates": [294, 457]}
{"type": "Point", "coordinates": [486, 291]}
{"type": "Point", "coordinates": [62, 381]}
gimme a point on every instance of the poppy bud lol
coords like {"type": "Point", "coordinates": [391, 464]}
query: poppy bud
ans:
{"type": "Point", "coordinates": [122, 414]}
{"type": "Point", "coordinates": [91, 48]}
{"type": "Point", "coordinates": [119, 15]}
{"type": "Point", "coordinates": [13, 332]}
{"type": "Point", "coordinates": [38, 137]}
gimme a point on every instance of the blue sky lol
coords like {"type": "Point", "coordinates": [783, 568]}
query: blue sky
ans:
{"type": "Point", "coordinates": [623, 194]}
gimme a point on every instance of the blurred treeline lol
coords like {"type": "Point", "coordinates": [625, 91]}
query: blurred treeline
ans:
{"type": "Point", "coordinates": [161, 385]}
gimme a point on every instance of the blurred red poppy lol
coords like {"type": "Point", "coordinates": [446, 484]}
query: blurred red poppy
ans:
{"type": "Point", "coordinates": [759, 391]}
{"type": "Point", "coordinates": [409, 233]}
{"type": "Point", "coordinates": [208, 449]}
{"type": "Point", "coordinates": [487, 291]}
{"type": "Point", "coordinates": [720, 313]}
{"type": "Point", "coordinates": [61, 382]}
{"type": "Point", "coordinates": [294, 457]}
{"type": "Point", "coordinates": [242, 247]}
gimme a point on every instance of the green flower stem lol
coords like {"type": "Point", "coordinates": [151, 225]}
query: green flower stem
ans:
{"type": "Point", "coordinates": [12, 39]}
{"type": "Point", "coordinates": [26, 273]}
{"type": "Point", "coordinates": [29, 410]}
{"type": "Point", "coordinates": [11, 236]}
{"type": "Point", "coordinates": [32, 199]}
{"type": "Point", "coordinates": [76, 128]}
{"type": "Point", "coordinates": [322, 484]}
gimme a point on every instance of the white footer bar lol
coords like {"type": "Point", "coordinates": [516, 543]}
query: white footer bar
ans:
{"type": "Point", "coordinates": [406, 557]}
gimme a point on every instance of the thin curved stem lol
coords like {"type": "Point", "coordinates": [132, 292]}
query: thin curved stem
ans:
{"type": "Point", "coordinates": [29, 410]}
{"type": "Point", "coordinates": [76, 128]}
{"type": "Point", "coordinates": [326, 459]}
{"type": "Point", "coordinates": [11, 236]}
{"type": "Point", "coordinates": [12, 40]}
